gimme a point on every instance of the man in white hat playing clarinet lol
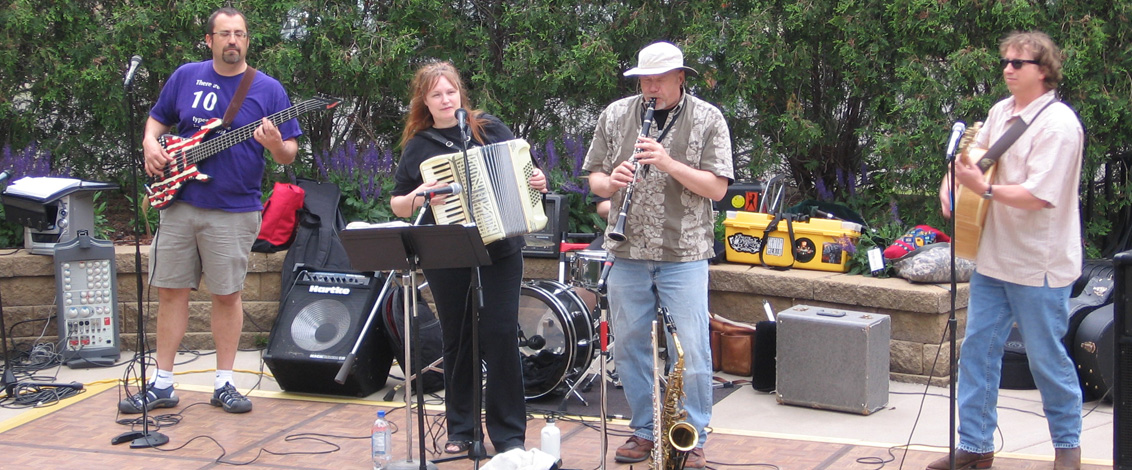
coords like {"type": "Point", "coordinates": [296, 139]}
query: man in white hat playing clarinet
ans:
{"type": "Point", "coordinates": [661, 260]}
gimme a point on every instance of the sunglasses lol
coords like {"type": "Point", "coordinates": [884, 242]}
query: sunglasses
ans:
{"type": "Point", "coordinates": [1016, 63]}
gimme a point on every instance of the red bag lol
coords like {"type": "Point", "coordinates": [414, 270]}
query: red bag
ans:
{"type": "Point", "coordinates": [279, 218]}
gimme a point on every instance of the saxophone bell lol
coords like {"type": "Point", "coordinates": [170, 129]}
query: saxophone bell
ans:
{"type": "Point", "coordinates": [682, 438]}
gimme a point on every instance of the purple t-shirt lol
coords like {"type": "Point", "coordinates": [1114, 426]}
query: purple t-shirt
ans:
{"type": "Point", "coordinates": [194, 94]}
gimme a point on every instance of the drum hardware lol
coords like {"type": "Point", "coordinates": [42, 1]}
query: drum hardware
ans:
{"type": "Point", "coordinates": [558, 338]}
{"type": "Point", "coordinates": [554, 314]}
{"type": "Point", "coordinates": [586, 379]}
{"type": "Point", "coordinates": [585, 268]}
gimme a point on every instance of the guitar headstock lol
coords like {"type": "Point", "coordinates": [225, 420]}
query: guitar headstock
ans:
{"type": "Point", "coordinates": [327, 102]}
{"type": "Point", "coordinates": [968, 138]}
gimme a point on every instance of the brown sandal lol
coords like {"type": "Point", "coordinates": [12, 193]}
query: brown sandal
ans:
{"type": "Point", "coordinates": [456, 447]}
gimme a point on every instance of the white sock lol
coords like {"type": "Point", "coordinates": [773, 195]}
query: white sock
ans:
{"type": "Point", "coordinates": [222, 377]}
{"type": "Point", "coordinates": [164, 379]}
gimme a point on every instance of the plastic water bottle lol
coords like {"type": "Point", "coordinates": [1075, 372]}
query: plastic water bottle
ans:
{"type": "Point", "coordinates": [550, 440]}
{"type": "Point", "coordinates": [381, 442]}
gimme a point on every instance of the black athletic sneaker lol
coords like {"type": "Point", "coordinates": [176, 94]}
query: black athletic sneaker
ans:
{"type": "Point", "coordinates": [154, 398]}
{"type": "Point", "coordinates": [231, 399]}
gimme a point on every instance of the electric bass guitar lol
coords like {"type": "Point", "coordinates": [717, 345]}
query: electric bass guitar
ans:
{"type": "Point", "coordinates": [970, 207]}
{"type": "Point", "coordinates": [188, 151]}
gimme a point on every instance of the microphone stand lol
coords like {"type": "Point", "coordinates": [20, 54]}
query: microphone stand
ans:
{"type": "Point", "coordinates": [144, 438]}
{"type": "Point", "coordinates": [951, 326]}
{"type": "Point", "coordinates": [477, 451]}
{"type": "Point", "coordinates": [603, 329]}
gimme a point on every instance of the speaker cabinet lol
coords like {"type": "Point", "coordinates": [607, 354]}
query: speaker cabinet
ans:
{"type": "Point", "coordinates": [545, 243]}
{"type": "Point", "coordinates": [318, 325]}
{"type": "Point", "coordinates": [1122, 367]}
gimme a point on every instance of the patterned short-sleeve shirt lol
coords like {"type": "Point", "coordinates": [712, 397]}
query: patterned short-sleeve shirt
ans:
{"type": "Point", "coordinates": [665, 221]}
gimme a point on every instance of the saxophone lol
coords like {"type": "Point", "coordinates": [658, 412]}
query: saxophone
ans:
{"type": "Point", "coordinates": [676, 437]}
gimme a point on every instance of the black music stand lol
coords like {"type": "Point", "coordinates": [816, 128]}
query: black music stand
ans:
{"type": "Point", "coordinates": [407, 248]}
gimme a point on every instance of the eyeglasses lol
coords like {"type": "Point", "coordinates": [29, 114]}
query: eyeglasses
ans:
{"type": "Point", "coordinates": [228, 34]}
{"type": "Point", "coordinates": [1016, 63]}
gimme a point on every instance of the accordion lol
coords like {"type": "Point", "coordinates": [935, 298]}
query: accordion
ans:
{"type": "Point", "coordinates": [502, 200]}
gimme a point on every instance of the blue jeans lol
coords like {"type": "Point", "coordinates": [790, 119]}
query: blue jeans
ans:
{"type": "Point", "coordinates": [1042, 314]}
{"type": "Point", "coordinates": [634, 287]}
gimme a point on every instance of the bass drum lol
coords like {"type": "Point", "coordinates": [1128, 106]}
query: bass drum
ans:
{"type": "Point", "coordinates": [557, 339]}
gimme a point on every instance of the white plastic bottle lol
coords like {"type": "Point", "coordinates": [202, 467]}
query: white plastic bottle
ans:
{"type": "Point", "coordinates": [381, 442]}
{"type": "Point", "coordinates": [550, 440]}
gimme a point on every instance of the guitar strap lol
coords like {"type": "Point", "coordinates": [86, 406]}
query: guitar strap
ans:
{"type": "Point", "coordinates": [238, 98]}
{"type": "Point", "coordinates": [1012, 134]}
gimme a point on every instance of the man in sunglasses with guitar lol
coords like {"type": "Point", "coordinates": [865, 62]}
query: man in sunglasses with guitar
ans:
{"type": "Point", "coordinates": [1028, 255]}
{"type": "Point", "coordinates": [210, 212]}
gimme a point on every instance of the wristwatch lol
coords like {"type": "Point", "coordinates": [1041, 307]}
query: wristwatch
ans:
{"type": "Point", "coordinates": [989, 193]}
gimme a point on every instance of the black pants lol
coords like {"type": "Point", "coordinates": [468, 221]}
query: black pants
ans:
{"type": "Point", "coordinates": [506, 410]}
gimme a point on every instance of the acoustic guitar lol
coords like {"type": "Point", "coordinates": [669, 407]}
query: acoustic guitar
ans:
{"type": "Point", "coordinates": [970, 207]}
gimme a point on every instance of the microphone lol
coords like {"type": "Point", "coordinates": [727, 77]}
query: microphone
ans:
{"type": "Point", "coordinates": [535, 342]}
{"type": "Point", "coordinates": [462, 118]}
{"type": "Point", "coordinates": [605, 265]}
{"type": "Point", "coordinates": [135, 61]}
{"type": "Point", "coordinates": [953, 141]}
{"type": "Point", "coordinates": [453, 189]}
{"type": "Point", "coordinates": [72, 385]}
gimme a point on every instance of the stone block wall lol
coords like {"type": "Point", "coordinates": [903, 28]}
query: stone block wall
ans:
{"type": "Point", "coordinates": [27, 292]}
{"type": "Point", "coordinates": [919, 312]}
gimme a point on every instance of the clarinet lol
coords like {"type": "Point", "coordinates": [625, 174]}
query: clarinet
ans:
{"type": "Point", "coordinates": [618, 232]}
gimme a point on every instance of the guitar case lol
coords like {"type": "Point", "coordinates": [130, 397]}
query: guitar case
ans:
{"type": "Point", "coordinates": [316, 245]}
{"type": "Point", "coordinates": [1094, 291]}
{"type": "Point", "coordinates": [1093, 351]}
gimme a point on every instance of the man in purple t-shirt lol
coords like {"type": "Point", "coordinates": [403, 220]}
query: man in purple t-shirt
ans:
{"type": "Point", "coordinates": [208, 230]}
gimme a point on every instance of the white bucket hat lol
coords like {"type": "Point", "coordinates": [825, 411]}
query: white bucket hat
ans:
{"type": "Point", "coordinates": [657, 58]}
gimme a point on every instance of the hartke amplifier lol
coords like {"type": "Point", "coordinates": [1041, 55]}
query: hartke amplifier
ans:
{"type": "Point", "coordinates": [545, 243]}
{"type": "Point", "coordinates": [833, 359]}
{"type": "Point", "coordinates": [317, 326]}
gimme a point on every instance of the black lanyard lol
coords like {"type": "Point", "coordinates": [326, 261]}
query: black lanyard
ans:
{"type": "Point", "coordinates": [671, 121]}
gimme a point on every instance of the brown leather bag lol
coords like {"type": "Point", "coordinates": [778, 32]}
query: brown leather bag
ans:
{"type": "Point", "coordinates": [732, 346]}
